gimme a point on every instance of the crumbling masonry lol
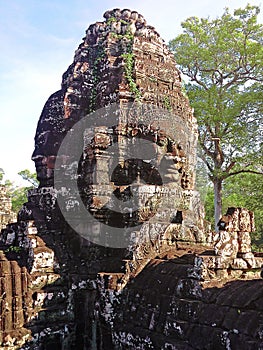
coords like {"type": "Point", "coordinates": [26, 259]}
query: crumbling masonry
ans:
{"type": "Point", "coordinates": [181, 288]}
{"type": "Point", "coordinates": [7, 216]}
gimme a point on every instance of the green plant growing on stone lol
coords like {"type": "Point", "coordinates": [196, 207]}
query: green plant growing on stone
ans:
{"type": "Point", "coordinates": [111, 20]}
{"type": "Point", "coordinates": [129, 65]}
{"type": "Point", "coordinates": [14, 249]}
{"type": "Point", "coordinates": [114, 35]}
{"type": "Point", "coordinates": [123, 21]}
{"type": "Point", "coordinates": [95, 77]}
{"type": "Point", "coordinates": [129, 36]}
{"type": "Point", "coordinates": [167, 103]}
{"type": "Point", "coordinates": [128, 57]}
{"type": "Point", "coordinates": [153, 79]}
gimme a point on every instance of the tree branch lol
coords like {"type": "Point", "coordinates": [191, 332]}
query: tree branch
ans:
{"type": "Point", "coordinates": [206, 163]}
{"type": "Point", "coordinates": [231, 165]}
{"type": "Point", "coordinates": [244, 171]}
{"type": "Point", "coordinates": [206, 150]}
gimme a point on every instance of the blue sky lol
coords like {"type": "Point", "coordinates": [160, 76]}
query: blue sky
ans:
{"type": "Point", "coordinates": [38, 40]}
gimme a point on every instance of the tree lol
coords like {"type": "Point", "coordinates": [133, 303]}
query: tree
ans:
{"type": "Point", "coordinates": [18, 197]}
{"type": "Point", "coordinates": [19, 194]}
{"type": "Point", "coordinates": [30, 177]}
{"type": "Point", "coordinates": [2, 173]}
{"type": "Point", "coordinates": [223, 62]}
{"type": "Point", "coordinates": [243, 190]}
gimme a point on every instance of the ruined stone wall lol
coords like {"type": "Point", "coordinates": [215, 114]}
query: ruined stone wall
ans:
{"type": "Point", "coordinates": [15, 303]}
{"type": "Point", "coordinates": [167, 308]}
{"type": "Point", "coordinates": [6, 214]}
{"type": "Point", "coordinates": [181, 299]}
{"type": "Point", "coordinates": [192, 297]}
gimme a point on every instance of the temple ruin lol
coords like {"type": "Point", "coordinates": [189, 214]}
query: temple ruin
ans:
{"type": "Point", "coordinates": [151, 275]}
{"type": "Point", "coordinates": [7, 215]}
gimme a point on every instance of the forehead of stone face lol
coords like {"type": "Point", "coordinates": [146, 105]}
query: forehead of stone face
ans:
{"type": "Point", "coordinates": [125, 17]}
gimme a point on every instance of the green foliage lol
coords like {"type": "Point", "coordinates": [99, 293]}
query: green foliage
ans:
{"type": "Point", "coordinates": [129, 65]}
{"type": "Point", "coordinates": [245, 190]}
{"type": "Point", "coordinates": [18, 197]}
{"type": "Point", "coordinates": [19, 194]}
{"type": "Point", "coordinates": [126, 43]}
{"type": "Point", "coordinates": [129, 36]}
{"type": "Point", "coordinates": [100, 56]}
{"type": "Point", "coordinates": [114, 35]}
{"type": "Point", "coordinates": [202, 180]}
{"type": "Point", "coordinates": [27, 175]}
{"type": "Point", "coordinates": [222, 59]}
{"type": "Point", "coordinates": [205, 189]}
{"type": "Point", "coordinates": [123, 21]}
{"type": "Point", "coordinates": [15, 249]}
{"type": "Point", "coordinates": [111, 20]}
{"type": "Point", "coordinates": [1, 174]}
{"type": "Point", "coordinates": [128, 57]}
{"type": "Point", "coordinates": [153, 79]}
{"type": "Point", "coordinates": [167, 103]}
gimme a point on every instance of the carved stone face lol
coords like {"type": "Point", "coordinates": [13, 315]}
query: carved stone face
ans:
{"type": "Point", "coordinates": [134, 188]}
{"type": "Point", "coordinates": [44, 168]}
{"type": "Point", "coordinates": [122, 61]}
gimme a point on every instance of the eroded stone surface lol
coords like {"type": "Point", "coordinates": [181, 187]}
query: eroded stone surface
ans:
{"type": "Point", "coordinates": [6, 214]}
{"type": "Point", "coordinates": [233, 240]}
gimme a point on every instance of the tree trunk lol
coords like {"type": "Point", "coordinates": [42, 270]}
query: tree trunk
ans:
{"type": "Point", "coordinates": [217, 201]}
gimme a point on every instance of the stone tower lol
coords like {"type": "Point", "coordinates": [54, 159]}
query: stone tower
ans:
{"type": "Point", "coordinates": [123, 61]}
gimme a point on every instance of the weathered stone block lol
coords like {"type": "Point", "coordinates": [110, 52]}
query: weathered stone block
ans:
{"type": "Point", "coordinates": [244, 242]}
{"type": "Point", "coordinates": [226, 244]}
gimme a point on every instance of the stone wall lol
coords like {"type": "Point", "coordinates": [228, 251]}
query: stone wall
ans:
{"type": "Point", "coordinates": [15, 302]}
{"type": "Point", "coordinates": [193, 297]}
{"type": "Point", "coordinates": [166, 308]}
{"type": "Point", "coordinates": [6, 214]}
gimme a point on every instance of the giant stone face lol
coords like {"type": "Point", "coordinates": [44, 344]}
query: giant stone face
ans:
{"type": "Point", "coordinates": [122, 132]}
